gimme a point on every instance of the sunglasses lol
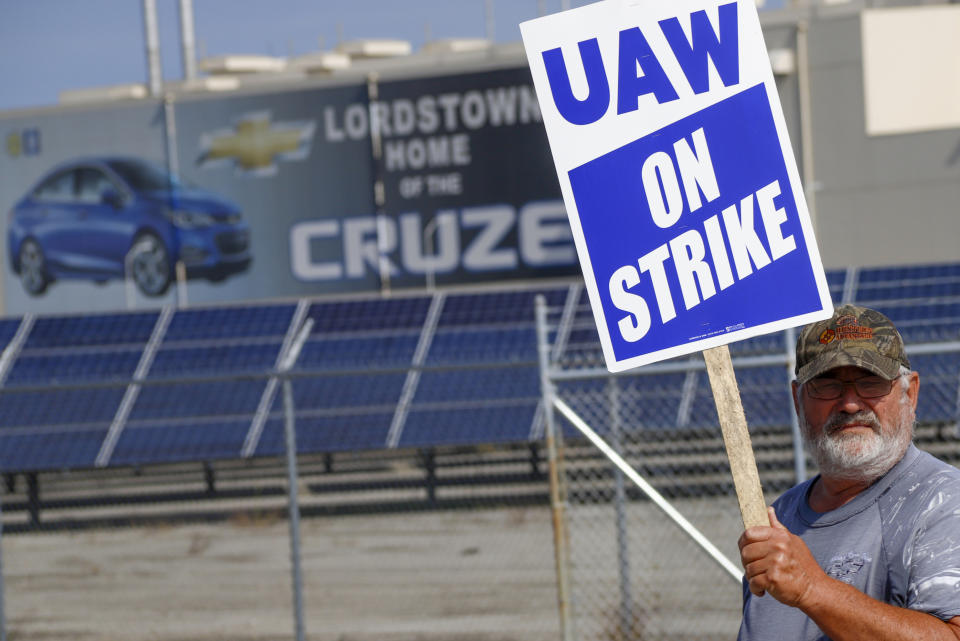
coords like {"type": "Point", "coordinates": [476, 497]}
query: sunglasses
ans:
{"type": "Point", "coordinates": [828, 389]}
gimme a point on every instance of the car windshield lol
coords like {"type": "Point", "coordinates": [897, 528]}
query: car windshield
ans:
{"type": "Point", "coordinates": [142, 176]}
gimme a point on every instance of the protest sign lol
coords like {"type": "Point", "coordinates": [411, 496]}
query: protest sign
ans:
{"type": "Point", "coordinates": [680, 186]}
{"type": "Point", "coordinates": [677, 174]}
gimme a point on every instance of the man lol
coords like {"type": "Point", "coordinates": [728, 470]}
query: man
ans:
{"type": "Point", "coordinates": [870, 548]}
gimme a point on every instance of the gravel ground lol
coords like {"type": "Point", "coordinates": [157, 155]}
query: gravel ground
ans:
{"type": "Point", "coordinates": [483, 575]}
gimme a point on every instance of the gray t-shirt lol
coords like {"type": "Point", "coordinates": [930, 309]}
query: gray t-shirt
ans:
{"type": "Point", "coordinates": [898, 542]}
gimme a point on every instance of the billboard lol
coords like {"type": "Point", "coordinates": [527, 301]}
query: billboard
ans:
{"type": "Point", "coordinates": [467, 175]}
{"type": "Point", "coordinates": [438, 180]}
{"type": "Point", "coordinates": [43, 162]}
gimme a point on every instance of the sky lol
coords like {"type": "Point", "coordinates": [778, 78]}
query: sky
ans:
{"type": "Point", "coordinates": [47, 46]}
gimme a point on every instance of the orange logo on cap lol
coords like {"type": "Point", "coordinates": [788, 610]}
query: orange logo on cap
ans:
{"type": "Point", "coordinates": [827, 336]}
{"type": "Point", "coordinates": [850, 329]}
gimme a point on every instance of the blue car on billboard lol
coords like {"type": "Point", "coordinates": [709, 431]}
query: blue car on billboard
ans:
{"type": "Point", "coordinates": [103, 218]}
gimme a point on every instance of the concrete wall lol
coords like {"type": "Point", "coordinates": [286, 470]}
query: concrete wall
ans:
{"type": "Point", "coordinates": [879, 200]}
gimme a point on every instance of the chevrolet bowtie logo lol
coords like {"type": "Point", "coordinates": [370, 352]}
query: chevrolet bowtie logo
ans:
{"type": "Point", "coordinates": [255, 145]}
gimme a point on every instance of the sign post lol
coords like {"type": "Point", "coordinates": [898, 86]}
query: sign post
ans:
{"type": "Point", "coordinates": [681, 188]}
{"type": "Point", "coordinates": [736, 436]}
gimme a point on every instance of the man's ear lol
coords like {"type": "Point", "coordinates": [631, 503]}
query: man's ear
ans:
{"type": "Point", "coordinates": [913, 389]}
{"type": "Point", "coordinates": [795, 387]}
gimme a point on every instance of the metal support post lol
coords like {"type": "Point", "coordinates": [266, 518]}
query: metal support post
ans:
{"type": "Point", "coordinates": [806, 124]}
{"type": "Point", "coordinates": [188, 53]}
{"type": "Point", "coordinates": [180, 269]}
{"type": "Point", "coordinates": [294, 507]}
{"type": "Point", "coordinates": [957, 426]}
{"type": "Point", "coordinates": [3, 619]}
{"type": "Point", "coordinates": [170, 137]}
{"type": "Point", "coordinates": [534, 460]}
{"type": "Point", "coordinates": [557, 495]}
{"type": "Point", "coordinates": [290, 433]}
{"type": "Point", "coordinates": [129, 285]}
{"type": "Point", "coordinates": [210, 477]}
{"type": "Point", "coordinates": [649, 490]}
{"type": "Point", "coordinates": [488, 15]}
{"type": "Point", "coordinates": [799, 458]}
{"type": "Point", "coordinates": [619, 502]}
{"type": "Point", "coordinates": [430, 466]}
{"type": "Point", "coordinates": [33, 498]}
{"type": "Point", "coordinates": [385, 232]}
{"type": "Point", "coordinates": [328, 463]}
{"type": "Point", "coordinates": [430, 282]}
{"type": "Point", "coordinates": [151, 36]}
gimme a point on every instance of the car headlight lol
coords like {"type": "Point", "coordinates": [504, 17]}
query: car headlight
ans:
{"type": "Point", "coordinates": [189, 219]}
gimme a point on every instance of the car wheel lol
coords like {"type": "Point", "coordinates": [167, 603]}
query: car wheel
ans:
{"type": "Point", "coordinates": [148, 263]}
{"type": "Point", "coordinates": [33, 268]}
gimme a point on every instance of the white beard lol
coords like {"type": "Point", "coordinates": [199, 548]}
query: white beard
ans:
{"type": "Point", "coordinates": [859, 457]}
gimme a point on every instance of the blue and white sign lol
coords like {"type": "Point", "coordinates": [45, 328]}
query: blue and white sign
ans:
{"type": "Point", "coordinates": [677, 174]}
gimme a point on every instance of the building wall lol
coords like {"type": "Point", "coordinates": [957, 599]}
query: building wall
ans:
{"type": "Point", "coordinates": [879, 200]}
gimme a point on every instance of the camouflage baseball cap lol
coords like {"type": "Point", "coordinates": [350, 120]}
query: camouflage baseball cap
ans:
{"type": "Point", "coordinates": [854, 336]}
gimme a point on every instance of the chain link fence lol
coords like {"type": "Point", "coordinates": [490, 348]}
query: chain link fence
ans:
{"type": "Point", "coordinates": [405, 522]}
{"type": "Point", "coordinates": [635, 572]}
{"type": "Point", "coordinates": [661, 563]}
{"type": "Point", "coordinates": [411, 539]}
{"type": "Point", "coordinates": [445, 543]}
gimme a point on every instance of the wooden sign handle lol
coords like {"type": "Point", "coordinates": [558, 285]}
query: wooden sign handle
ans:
{"type": "Point", "coordinates": [736, 437]}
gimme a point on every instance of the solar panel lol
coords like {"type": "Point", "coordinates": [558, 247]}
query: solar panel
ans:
{"type": "Point", "coordinates": [170, 441]}
{"type": "Point", "coordinates": [582, 347]}
{"type": "Point", "coordinates": [358, 352]}
{"type": "Point", "coordinates": [73, 367]}
{"type": "Point", "coordinates": [765, 392]}
{"type": "Point", "coordinates": [8, 328]}
{"type": "Point", "coordinates": [48, 408]}
{"type": "Point", "coordinates": [38, 449]}
{"type": "Point", "coordinates": [91, 330]}
{"type": "Point", "coordinates": [924, 322]}
{"type": "Point", "coordinates": [836, 277]}
{"type": "Point", "coordinates": [909, 272]}
{"type": "Point", "coordinates": [932, 290]}
{"type": "Point", "coordinates": [219, 323]}
{"type": "Point", "coordinates": [57, 428]}
{"type": "Point", "coordinates": [496, 308]}
{"type": "Point", "coordinates": [333, 393]}
{"type": "Point", "coordinates": [171, 362]}
{"type": "Point", "coordinates": [646, 402]}
{"type": "Point", "coordinates": [364, 315]}
{"type": "Point", "coordinates": [483, 345]}
{"type": "Point", "coordinates": [468, 425]}
{"type": "Point", "coordinates": [357, 388]}
{"type": "Point", "coordinates": [204, 342]}
{"type": "Point", "coordinates": [53, 429]}
{"type": "Point", "coordinates": [201, 400]}
{"type": "Point", "coordinates": [774, 343]}
{"type": "Point", "coordinates": [476, 385]}
{"type": "Point", "coordinates": [925, 312]}
{"type": "Point", "coordinates": [329, 433]}
{"type": "Point", "coordinates": [939, 389]}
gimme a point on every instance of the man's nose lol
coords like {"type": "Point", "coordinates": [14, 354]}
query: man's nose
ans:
{"type": "Point", "coordinates": [850, 401]}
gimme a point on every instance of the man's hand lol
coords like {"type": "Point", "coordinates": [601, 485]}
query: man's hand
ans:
{"type": "Point", "coordinates": [778, 562]}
